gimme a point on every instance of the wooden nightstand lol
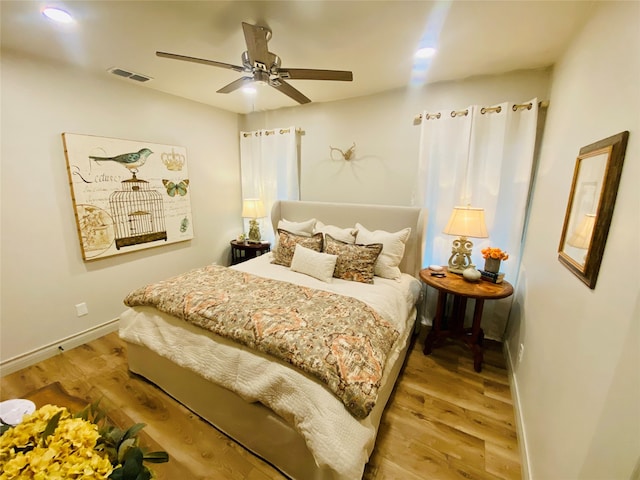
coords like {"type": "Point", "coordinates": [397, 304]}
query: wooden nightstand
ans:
{"type": "Point", "coordinates": [461, 290]}
{"type": "Point", "coordinates": [241, 251]}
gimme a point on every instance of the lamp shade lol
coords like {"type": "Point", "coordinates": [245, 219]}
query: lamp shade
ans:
{"type": "Point", "coordinates": [467, 222]}
{"type": "Point", "coordinates": [253, 208]}
{"type": "Point", "coordinates": [581, 237]}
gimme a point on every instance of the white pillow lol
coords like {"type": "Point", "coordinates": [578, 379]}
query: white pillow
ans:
{"type": "Point", "coordinates": [315, 264]}
{"type": "Point", "coordinates": [346, 235]}
{"type": "Point", "coordinates": [392, 249]}
{"type": "Point", "coordinates": [299, 228]}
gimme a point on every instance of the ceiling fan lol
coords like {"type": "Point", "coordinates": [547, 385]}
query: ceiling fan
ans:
{"type": "Point", "coordinates": [264, 66]}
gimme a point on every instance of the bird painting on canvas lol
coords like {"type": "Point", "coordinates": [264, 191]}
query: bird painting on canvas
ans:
{"type": "Point", "coordinates": [131, 160]}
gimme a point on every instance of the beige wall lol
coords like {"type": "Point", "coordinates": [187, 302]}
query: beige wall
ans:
{"type": "Point", "coordinates": [385, 165]}
{"type": "Point", "coordinates": [43, 275]}
{"type": "Point", "coordinates": [579, 380]}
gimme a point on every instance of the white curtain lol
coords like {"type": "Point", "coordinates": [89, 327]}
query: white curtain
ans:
{"type": "Point", "coordinates": [269, 170]}
{"type": "Point", "coordinates": [481, 157]}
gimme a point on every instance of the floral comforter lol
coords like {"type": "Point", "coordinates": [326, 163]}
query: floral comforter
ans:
{"type": "Point", "coordinates": [337, 339]}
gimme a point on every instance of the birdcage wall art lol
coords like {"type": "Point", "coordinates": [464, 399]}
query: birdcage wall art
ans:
{"type": "Point", "coordinates": [138, 213]}
{"type": "Point", "coordinates": [127, 195]}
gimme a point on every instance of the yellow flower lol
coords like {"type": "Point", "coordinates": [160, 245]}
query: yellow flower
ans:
{"type": "Point", "coordinates": [72, 447]}
{"type": "Point", "coordinates": [69, 452]}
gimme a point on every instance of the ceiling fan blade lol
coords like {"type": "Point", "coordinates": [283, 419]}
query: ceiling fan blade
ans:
{"type": "Point", "coordinates": [289, 91]}
{"type": "Point", "coordinates": [212, 63]}
{"type": "Point", "coordinates": [256, 38]}
{"type": "Point", "coordinates": [311, 74]}
{"type": "Point", "coordinates": [236, 84]}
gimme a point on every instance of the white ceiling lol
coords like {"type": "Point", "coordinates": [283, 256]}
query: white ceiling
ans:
{"type": "Point", "coordinates": [374, 39]}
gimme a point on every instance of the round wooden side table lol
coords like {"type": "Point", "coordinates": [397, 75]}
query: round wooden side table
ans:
{"type": "Point", "coordinates": [461, 290]}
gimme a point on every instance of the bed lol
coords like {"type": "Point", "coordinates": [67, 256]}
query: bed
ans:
{"type": "Point", "coordinates": [308, 425]}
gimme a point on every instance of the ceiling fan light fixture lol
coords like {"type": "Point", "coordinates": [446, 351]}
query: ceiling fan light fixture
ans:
{"type": "Point", "coordinates": [57, 15]}
{"type": "Point", "coordinates": [250, 90]}
{"type": "Point", "coordinates": [261, 77]}
{"type": "Point", "coordinates": [262, 67]}
{"type": "Point", "coordinates": [425, 52]}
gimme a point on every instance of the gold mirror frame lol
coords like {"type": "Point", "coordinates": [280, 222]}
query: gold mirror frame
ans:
{"type": "Point", "coordinates": [596, 177]}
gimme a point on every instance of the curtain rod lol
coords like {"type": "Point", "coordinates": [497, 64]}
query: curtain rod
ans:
{"type": "Point", "coordinates": [281, 131]}
{"type": "Point", "coordinates": [455, 113]}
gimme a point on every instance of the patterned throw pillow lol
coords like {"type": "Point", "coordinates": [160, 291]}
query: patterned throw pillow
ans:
{"type": "Point", "coordinates": [355, 262]}
{"type": "Point", "coordinates": [287, 242]}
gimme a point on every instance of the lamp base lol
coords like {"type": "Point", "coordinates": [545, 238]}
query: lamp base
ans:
{"type": "Point", "coordinates": [254, 231]}
{"type": "Point", "coordinates": [460, 258]}
{"type": "Point", "coordinates": [454, 269]}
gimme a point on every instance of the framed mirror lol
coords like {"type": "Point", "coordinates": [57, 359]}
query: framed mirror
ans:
{"type": "Point", "coordinates": [591, 201]}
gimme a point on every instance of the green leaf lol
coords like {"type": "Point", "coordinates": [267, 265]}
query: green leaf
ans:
{"type": "Point", "coordinates": [133, 430]}
{"type": "Point", "coordinates": [117, 474]}
{"type": "Point", "coordinates": [114, 436]}
{"type": "Point", "coordinates": [51, 427]}
{"type": "Point", "coordinates": [4, 428]}
{"type": "Point", "coordinates": [111, 452]}
{"type": "Point", "coordinates": [99, 417]}
{"type": "Point", "coordinates": [124, 447]}
{"type": "Point", "coordinates": [92, 412]}
{"type": "Point", "coordinates": [132, 464]}
{"type": "Point", "coordinates": [156, 457]}
{"type": "Point", "coordinates": [144, 474]}
{"type": "Point", "coordinates": [83, 414]}
{"type": "Point", "coordinates": [134, 455]}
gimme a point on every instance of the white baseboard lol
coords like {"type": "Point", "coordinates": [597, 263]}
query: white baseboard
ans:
{"type": "Point", "coordinates": [26, 359]}
{"type": "Point", "coordinates": [520, 428]}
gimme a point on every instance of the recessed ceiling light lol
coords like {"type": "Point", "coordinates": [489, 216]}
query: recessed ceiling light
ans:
{"type": "Point", "coordinates": [57, 15]}
{"type": "Point", "coordinates": [426, 52]}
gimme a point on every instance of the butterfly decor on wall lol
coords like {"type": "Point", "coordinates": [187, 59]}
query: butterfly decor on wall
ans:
{"type": "Point", "coordinates": [179, 188]}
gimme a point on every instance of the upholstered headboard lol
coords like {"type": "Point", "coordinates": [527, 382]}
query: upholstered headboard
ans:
{"type": "Point", "coordinates": [373, 217]}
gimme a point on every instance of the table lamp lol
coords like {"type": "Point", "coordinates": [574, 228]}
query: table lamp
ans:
{"type": "Point", "coordinates": [253, 208]}
{"type": "Point", "coordinates": [464, 222]}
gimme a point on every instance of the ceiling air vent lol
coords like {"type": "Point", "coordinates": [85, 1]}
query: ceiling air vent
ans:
{"type": "Point", "coordinates": [130, 75]}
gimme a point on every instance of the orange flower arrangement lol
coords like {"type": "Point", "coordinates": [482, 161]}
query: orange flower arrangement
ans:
{"type": "Point", "coordinates": [494, 253]}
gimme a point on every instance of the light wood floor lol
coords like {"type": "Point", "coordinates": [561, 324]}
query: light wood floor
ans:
{"type": "Point", "coordinates": [444, 421]}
